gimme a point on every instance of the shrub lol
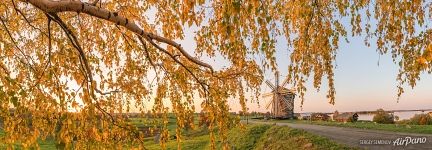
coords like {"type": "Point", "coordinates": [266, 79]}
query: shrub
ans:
{"type": "Point", "coordinates": [404, 121]}
{"type": "Point", "coordinates": [383, 117]}
{"type": "Point", "coordinates": [351, 119]}
{"type": "Point", "coordinates": [421, 119]}
{"type": "Point", "coordinates": [354, 118]}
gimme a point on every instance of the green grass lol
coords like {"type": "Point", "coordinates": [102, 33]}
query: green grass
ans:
{"type": "Point", "coordinates": [171, 126]}
{"type": "Point", "coordinates": [260, 136]}
{"type": "Point", "coordinates": [198, 142]}
{"type": "Point", "coordinates": [250, 137]}
{"type": "Point", "coordinates": [283, 137]}
{"type": "Point", "coordinates": [425, 129]}
{"type": "Point", "coordinates": [146, 122]}
{"type": "Point", "coordinates": [246, 138]}
{"type": "Point", "coordinates": [48, 144]}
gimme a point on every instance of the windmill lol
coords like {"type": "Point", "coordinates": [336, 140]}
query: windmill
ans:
{"type": "Point", "coordinates": [282, 102]}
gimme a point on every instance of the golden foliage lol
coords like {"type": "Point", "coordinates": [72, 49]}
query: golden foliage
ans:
{"type": "Point", "coordinates": [104, 58]}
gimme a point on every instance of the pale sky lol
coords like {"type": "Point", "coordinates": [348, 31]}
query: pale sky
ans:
{"type": "Point", "coordinates": [361, 84]}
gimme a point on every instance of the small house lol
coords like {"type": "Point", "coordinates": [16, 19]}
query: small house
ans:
{"type": "Point", "coordinates": [345, 117]}
{"type": "Point", "coordinates": [304, 116]}
{"type": "Point", "coordinates": [320, 117]}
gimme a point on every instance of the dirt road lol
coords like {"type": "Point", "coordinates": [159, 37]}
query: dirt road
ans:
{"type": "Point", "coordinates": [364, 138]}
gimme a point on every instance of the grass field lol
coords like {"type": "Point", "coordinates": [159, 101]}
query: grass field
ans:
{"type": "Point", "coordinates": [425, 129]}
{"type": "Point", "coordinates": [249, 137]}
{"type": "Point", "coordinates": [258, 137]}
{"type": "Point", "coordinates": [278, 137]}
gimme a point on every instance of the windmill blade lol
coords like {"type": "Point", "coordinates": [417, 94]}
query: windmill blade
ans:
{"type": "Point", "coordinates": [268, 104]}
{"type": "Point", "coordinates": [284, 82]}
{"type": "Point", "coordinates": [270, 85]}
{"type": "Point", "coordinates": [267, 95]}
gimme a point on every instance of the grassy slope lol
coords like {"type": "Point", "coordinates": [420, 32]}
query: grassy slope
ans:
{"type": "Point", "coordinates": [199, 142]}
{"type": "Point", "coordinates": [246, 138]}
{"type": "Point", "coordinates": [278, 137]}
{"type": "Point", "coordinates": [425, 129]}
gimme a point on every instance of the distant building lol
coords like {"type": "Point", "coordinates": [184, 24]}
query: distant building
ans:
{"type": "Point", "coordinates": [304, 116]}
{"type": "Point", "coordinates": [345, 117]}
{"type": "Point", "coordinates": [297, 115]}
{"type": "Point", "coordinates": [320, 117]}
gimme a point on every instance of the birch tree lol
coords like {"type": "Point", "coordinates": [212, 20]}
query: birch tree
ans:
{"type": "Point", "coordinates": [102, 58]}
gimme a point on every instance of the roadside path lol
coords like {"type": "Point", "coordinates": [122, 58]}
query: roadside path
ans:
{"type": "Point", "coordinates": [354, 136]}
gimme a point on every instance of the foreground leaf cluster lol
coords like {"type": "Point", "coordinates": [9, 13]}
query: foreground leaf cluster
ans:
{"type": "Point", "coordinates": [70, 70]}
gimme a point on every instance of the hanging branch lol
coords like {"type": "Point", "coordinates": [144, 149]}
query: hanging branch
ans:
{"type": "Point", "coordinates": [87, 72]}
{"type": "Point", "coordinates": [54, 7]}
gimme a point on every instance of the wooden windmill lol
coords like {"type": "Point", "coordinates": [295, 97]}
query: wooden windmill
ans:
{"type": "Point", "coordinates": [282, 99]}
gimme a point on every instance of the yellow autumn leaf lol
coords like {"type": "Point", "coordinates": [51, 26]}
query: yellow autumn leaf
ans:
{"type": "Point", "coordinates": [118, 55]}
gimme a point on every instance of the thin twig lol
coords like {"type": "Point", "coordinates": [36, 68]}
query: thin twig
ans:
{"type": "Point", "coordinates": [181, 64]}
{"type": "Point", "coordinates": [16, 46]}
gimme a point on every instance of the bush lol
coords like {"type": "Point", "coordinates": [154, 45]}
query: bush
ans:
{"type": "Point", "coordinates": [421, 119]}
{"type": "Point", "coordinates": [404, 121]}
{"type": "Point", "coordinates": [383, 117]}
{"type": "Point", "coordinates": [351, 119]}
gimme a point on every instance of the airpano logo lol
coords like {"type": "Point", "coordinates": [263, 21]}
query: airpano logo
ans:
{"type": "Point", "coordinates": [401, 141]}
{"type": "Point", "coordinates": [409, 140]}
